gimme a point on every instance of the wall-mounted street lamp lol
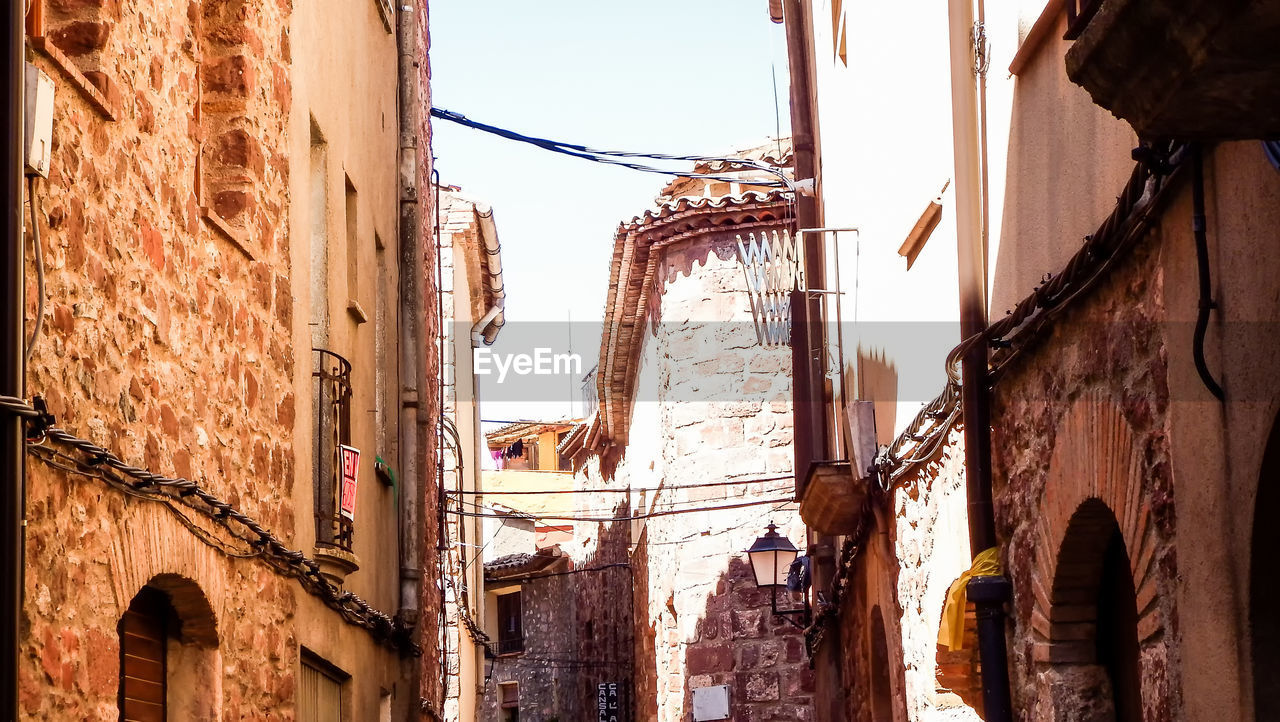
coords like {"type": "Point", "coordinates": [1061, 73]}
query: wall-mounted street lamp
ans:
{"type": "Point", "coordinates": [777, 563]}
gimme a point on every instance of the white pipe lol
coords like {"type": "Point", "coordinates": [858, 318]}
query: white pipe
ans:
{"type": "Point", "coordinates": [485, 331]}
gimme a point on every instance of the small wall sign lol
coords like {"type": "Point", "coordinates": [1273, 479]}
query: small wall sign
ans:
{"type": "Point", "coordinates": [608, 702]}
{"type": "Point", "coordinates": [349, 458]}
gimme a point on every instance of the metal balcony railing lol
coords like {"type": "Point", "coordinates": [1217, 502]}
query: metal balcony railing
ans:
{"type": "Point", "coordinates": [331, 380]}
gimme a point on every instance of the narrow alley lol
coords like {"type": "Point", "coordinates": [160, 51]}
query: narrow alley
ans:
{"type": "Point", "coordinates": [770, 361]}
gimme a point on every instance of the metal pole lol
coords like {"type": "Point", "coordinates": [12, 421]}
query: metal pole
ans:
{"type": "Point", "coordinates": [990, 594]}
{"type": "Point", "coordinates": [11, 366]}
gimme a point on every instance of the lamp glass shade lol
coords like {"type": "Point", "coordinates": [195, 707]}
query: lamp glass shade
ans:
{"type": "Point", "coordinates": [771, 558]}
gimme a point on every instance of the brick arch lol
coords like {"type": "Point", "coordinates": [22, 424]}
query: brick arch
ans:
{"type": "Point", "coordinates": [161, 552]}
{"type": "Point", "coordinates": [1095, 480]}
{"type": "Point", "coordinates": [199, 623]}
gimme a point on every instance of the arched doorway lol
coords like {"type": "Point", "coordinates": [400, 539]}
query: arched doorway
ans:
{"type": "Point", "coordinates": [1264, 584]}
{"type": "Point", "coordinates": [1095, 613]}
{"type": "Point", "coordinates": [170, 667]}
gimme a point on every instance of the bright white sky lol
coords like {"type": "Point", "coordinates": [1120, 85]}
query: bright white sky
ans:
{"type": "Point", "coordinates": [691, 77]}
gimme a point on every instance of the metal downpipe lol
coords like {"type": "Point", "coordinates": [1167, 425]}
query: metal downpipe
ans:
{"type": "Point", "coordinates": [12, 470]}
{"type": "Point", "coordinates": [988, 593]}
{"type": "Point", "coordinates": [411, 349]}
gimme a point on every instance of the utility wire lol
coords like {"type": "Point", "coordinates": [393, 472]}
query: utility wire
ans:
{"type": "Point", "coordinates": [635, 489]}
{"type": "Point", "coordinates": [606, 520]}
{"type": "Point", "coordinates": [614, 157]}
{"type": "Point", "coordinates": [535, 515]}
{"type": "Point", "coordinates": [36, 210]}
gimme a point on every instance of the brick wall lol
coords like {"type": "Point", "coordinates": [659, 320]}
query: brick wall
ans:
{"type": "Point", "coordinates": [1078, 421]}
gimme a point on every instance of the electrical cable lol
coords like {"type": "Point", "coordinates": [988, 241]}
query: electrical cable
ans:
{"type": "Point", "coordinates": [629, 490]}
{"type": "Point", "coordinates": [39, 262]}
{"type": "Point", "coordinates": [1199, 231]}
{"type": "Point", "coordinates": [587, 511]}
{"type": "Point", "coordinates": [1128, 222]}
{"type": "Point", "coordinates": [613, 157]}
{"type": "Point", "coordinates": [700, 536]}
{"type": "Point", "coordinates": [97, 462]}
{"type": "Point", "coordinates": [606, 520]}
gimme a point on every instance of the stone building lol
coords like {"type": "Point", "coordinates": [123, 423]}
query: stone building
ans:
{"type": "Point", "coordinates": [235, 297]}
{"type": "Point", "coordinates": [694, 417]}
{"type": "Point", "coordinates": [1129, 385]}
{"type": "Point", "coordinates": [556, 614]}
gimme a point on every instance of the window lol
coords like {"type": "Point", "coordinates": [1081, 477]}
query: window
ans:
{"type": "Point", "coordinates": [144, 640]}
{"type": "Point", "coordinates": [564, 462]}
{"type": "Point", "coordinates": [510, 624]}
{"type": "Point", "coordinates": [509, 700]}
{"type": "Point", "coordinates": [332, 384]}
{"type": "Point", "coordinates": [320, 695]}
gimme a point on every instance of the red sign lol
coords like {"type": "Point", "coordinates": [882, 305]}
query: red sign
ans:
{"type": "Point", "coordinates": [350, 461]}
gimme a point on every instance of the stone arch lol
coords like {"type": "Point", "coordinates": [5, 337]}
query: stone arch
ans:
{"type": "Point", "coordinates": [197, 620]}
{"type": "Point", "coordinates": [183, 676]}
{"type": "Point", "coordinates": [1264, 584]}
{"type": "Point", "coordinates": [1096, 470]}
{"type": "Point", "coordinates": [162, 552]}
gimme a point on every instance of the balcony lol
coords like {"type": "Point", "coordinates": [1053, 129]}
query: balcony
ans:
{"type": "Point", "coordinates": [331, 384]}
{"type": "Point", "coordinates": [1195, 70]}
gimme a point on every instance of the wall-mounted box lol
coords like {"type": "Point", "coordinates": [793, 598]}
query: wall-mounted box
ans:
{"type": "Point", "coordinates": [38, 122]}
{"type": "Point", "coordinates": [711, 703]}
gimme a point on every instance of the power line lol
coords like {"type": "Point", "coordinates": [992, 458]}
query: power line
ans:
{"type": "Point", "coordinates": [614, 157]}
{"type": "Point", "coordinates": [535, 515]}
{"type": "Point", "coordinates": [605, 520]}
{"type": "Point", "coordinates": [602, 567]}
{"type": "Point", "coordinates": [628, 490]}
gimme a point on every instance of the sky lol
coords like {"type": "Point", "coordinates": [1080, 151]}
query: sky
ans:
{"type": "Point", "coordinates": [691, 77]}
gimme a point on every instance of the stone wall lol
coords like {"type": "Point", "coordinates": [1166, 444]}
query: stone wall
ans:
{"type": "Point", "coordinates": [1088, 421]}
{"type": "Point", "coordinates": [931, 542]}
{"type": "Point", "coordinates": [577, 627]}
{"type": "Point", "coordinates": [546, 670]}
{"type": "Point", "coordinates": [711, 405]}
{"type": "Point", "coordinates": [167, 341]}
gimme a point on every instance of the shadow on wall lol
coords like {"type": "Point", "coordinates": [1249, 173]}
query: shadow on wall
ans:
{"type": "Point", "coordinates": [645, 673]}
{"type": "Point", "coordinates": [604, 621]}
{"type": "Point", "coordinates": [740, 643]}
{"type": "Point", "coordinates": [576, 635]}
{"type": "Point", "coordinates": [878, 381]}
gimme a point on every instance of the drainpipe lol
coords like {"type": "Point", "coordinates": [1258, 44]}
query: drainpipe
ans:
{"type": "Point", "coordinates": [807, 373]}
{"type": "Point", "coordinates": [486, 329]}
{"type": "Point", "coordinates": [807, 376]}
{"type": "Point", "coordinates": [12, 469]}
{"type": "Point", "coordinates": [412, 438]}
{"type": "Point", "coordinates": [989, 594]}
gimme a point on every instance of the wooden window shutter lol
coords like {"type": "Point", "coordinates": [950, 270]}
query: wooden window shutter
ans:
{"type": "Point", "coordinates": [143, 640]}
{"type": "Point", "coordinates": [320, 691]}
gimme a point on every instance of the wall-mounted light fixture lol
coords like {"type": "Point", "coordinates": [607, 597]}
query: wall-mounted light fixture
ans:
{"type": "Point", "coordinates": [777, 563]}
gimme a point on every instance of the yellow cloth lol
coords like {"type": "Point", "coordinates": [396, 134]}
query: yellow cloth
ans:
{"type": "Point", "coordinates": [951, 629]}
